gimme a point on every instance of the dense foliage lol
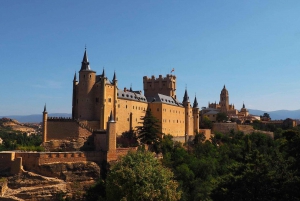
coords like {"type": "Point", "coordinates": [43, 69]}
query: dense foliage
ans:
{"type": "Point", "coordinates": [140, 176]}
{"type": "Point", "coordinates": [230, 166]}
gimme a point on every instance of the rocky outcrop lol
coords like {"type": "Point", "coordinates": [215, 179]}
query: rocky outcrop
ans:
{"type": "Point", "coordinates": [31, 186]}
{"type": "Point", "coordinates": [80, 171]}
{"type": "Point", "coordinates": [52, 180]}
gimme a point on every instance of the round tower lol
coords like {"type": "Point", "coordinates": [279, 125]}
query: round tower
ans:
{"type": "Point", "coordinates": [45, 117]}
{"type": "Point", "coordinates": [187, 106]}
{"type": "Point", "coordinates": [85, 95]}
{"type": "Point", "coordinates": [115, 83]}
{"type": "Point", "coordinates": [74, 99]}
{"type": "Point", "coordinates": [196, 115]}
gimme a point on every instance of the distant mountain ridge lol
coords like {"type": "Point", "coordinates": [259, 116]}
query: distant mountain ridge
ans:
{"type": "Point", "coordinates": [275, 115]}
{"type": "Point", "coordinates": [278, 114]}
{"type": "Point", "coordinates": [35, 118]}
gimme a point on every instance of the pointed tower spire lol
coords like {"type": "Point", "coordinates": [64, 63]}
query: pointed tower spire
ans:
{"type": "Point", "coordinates": [115, 77]}
{"type": "Point", "coordinates": [103, 73]}
{"type": "Point", "coordinates": [195, 105]}
{"type": "Point", "coordinates": [186, 97]}
{"type": "Point", "coordinates": [75, 77]}
{"type": "Point", "coordinates": [111, 117]}
{"type": "Point", "coordinates": [85, 64]}
{"type": "Point", "coordinates": [224, 87]}
{"type": "Point", "coordinates": [243, 105]}
{"type": "Point", "coordinates": [45, 110]}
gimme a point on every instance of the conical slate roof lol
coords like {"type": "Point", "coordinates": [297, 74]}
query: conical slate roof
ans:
{"type": "Point", "coordinates": [186, 97]}
{"type": "Point", "coordinates": [195, 105]}
{"type": "Point", "coordinates": [85, 64]}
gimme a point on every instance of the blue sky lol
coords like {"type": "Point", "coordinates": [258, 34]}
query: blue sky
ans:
{"type": "Point", "coordinates": [253, 47]}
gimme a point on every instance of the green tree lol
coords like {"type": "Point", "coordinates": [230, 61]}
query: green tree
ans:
{"type": "Point", "coordinates": [222, 117]}
{"type": "Point", "coordinates": [149, 133]}
{"type": "Point", "coordinates": [140, 176]}
{"type": "Point", "coordinates": [206, 123]}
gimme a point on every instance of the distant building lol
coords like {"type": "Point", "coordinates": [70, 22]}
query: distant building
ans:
{"type": "Point", "coordinates": [223, 106]}
{"type": "Point", "coordinates": [289, 123]}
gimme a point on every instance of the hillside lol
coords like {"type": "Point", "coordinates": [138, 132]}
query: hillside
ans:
{"type": "Point", "coordinates": [278, 114]}
{"type": "Point", "coordinates": [34, 118]}
{"type": "Point", "coordinates": [275, 115]}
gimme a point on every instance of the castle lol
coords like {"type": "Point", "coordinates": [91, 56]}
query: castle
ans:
{"type": "Point", "coordinates": [95, 97]}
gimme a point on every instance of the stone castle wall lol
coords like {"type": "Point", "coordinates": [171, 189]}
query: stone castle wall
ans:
{"type": "Point", "coordinates": [6, 159]}
{"type": "Point", "coordinates": [126, 107]}
{"type": "Point", "coordinates": [65, 129]}
{"type": "Point", "coordinates": [224, 127]}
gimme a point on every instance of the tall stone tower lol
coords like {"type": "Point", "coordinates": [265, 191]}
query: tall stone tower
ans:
{"type": "Point", "coordinates": [111, 139]}
{"type": "Point", "coordinates": [74, 99]}
{"type": "Point", "coordinates": [196, 115]}
{"type": "Point", "coordinates": [115, 83]}
{"type": "Point", "coordinates": [224, 100]}
{"type": "Point", "coordinates": [85, 96]}
{"type": "Point", "coordinates": [45, 117]}
{"type": "Point", "coordinates": [161, 85]}
{"type": "Point", "coordinates": [187, 106]}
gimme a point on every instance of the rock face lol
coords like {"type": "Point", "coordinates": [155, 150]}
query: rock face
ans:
{"type": "Point", "coordinates": [70, 179]}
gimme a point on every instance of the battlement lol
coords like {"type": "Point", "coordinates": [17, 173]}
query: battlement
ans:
{"type": "Point", "coordinates": [59, 119]}
{"type": "Point", "coordinates": [160, 77]}
{"type": "Point", "coordinates": [161, 85]}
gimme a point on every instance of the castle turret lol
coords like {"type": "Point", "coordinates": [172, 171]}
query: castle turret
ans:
{"type": "Point", "coordinates": [45, 117]}
{"type": "Point", "coordinates": [196, 115]}
{"type": "Point", "coordinates": [103, 117]}
{"type": "Point", "coordinates": [85, 97]}
{"type": "Point", "coordinates": [115, 83]}
{"type": "Point", "coordinates": [74, 98]}
{"type": "Point", "coordinates": [111, 138]}
{"type": "Point", "coordinates": [187, 106]}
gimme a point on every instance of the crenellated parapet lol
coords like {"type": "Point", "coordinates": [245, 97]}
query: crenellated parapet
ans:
{"type": "Point", "coordinates": [59, 119]}
{"type": "Point", "coordinates": [161, 85]}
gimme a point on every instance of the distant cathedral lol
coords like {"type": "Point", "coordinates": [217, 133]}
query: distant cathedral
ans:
{"type": "Point", "coordinates": [95, 97]}
{"type": "Point", "coordinates": [224, 107]}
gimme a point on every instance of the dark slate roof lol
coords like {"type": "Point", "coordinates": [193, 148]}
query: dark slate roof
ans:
{"type": "Point", "coordinates": [85, 64]}
{"type": "Point", "coordinates": [186, 97]}
{"type": "Point", "coordinates": [164, 99]}
{"type": "Point", "coordinates": [131, 95]}
{"type": "Point", "coordinates": [115, 77]}
{"type": "Point", "coordinates": [195, 105]}
{"type": "Point", "coordinates": [100, 77]}
{"type": "Point", "coordinates": [212, 112]}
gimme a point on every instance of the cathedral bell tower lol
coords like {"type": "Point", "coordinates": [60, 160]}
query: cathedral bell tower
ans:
{"type": "Point", "coordinates": [224, 100]}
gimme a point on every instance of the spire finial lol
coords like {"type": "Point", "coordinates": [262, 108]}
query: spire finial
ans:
{"type": "Point", "coordinates": [243, 105]}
